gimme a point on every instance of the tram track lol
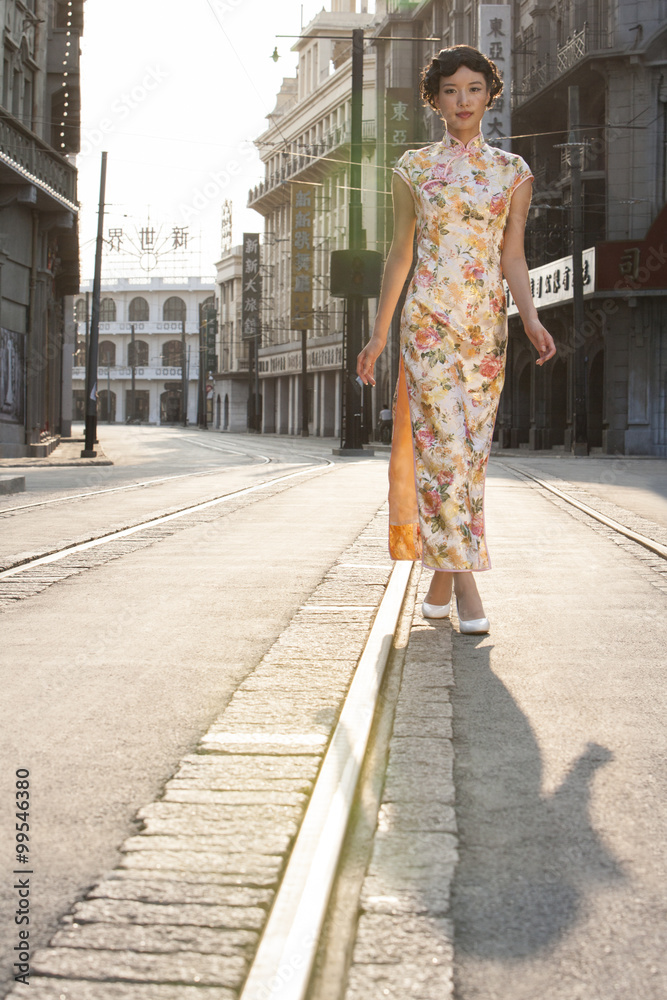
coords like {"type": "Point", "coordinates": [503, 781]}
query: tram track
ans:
{"type": "Point", "coordinates": [30, 574]}
{"type": "Point", "coordinates": [616, 526]}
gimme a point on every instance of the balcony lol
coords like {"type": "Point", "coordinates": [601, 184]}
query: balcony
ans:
{"type": "Point", "coordinates": [581, 44]}
{"type": "Point", "coordinates": [141, 372]}
{"type": "Point", "coordinates": [309, 156]}
{"type": "Point", "coordinates": [27, 159]}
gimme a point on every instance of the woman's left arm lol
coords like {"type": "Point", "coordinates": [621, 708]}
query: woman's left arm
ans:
{"type": "Point", "coordinates": [515, 272]}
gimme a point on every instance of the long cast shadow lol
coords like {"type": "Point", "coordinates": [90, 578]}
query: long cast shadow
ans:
{"type": "Point", "coordinates": [525, 858]}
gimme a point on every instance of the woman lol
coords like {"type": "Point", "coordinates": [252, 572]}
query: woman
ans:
{"type": "Point", "coordinates": [469, 202]}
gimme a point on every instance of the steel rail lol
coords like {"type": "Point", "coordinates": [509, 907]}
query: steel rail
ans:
{"type": "Point", "coordinates": [152, 522]}
{"type": "Point", "coordinates": [610, 522]}
{"type": "Point", "coordinates": [284, 960]}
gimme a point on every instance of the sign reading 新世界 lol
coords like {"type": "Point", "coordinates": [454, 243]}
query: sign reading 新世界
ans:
{"type": "Point", "coordinates": [399, 122]}
{"type": "Point", "coordinates": [301, 296]}
{"type": "Point", "coordinates": [251, 299]}
{"type": "Point", "coordinates": [495, 41]}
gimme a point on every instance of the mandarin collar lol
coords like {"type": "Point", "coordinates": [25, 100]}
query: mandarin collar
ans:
{"type": "Point", "coordinates": [451, 142]}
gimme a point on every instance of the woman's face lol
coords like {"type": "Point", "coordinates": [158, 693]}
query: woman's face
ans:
{"type": "Point", "coordinates": [462, 99]}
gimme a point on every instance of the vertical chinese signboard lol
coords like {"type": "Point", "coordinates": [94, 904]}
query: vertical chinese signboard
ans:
{"type": "Point", "coordinates": [301, 299]}
{"type": "Point", "coordinates": [495, 41]}
{"type": "Point", "coordinates": [399, 118]}
{"type": "Point", "coordinates": [252, 288]}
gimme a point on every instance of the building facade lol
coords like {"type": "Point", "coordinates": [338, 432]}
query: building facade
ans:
{"type": "Point", "coordinates": [615, 55]}
{"type": "Point", "coordinates": [231, 386]}
{"type": "Point", "coordinates": [308, 141]}
{"type": "Point", "coordinates": [149, 349]}
{"type": "Point", "coordinates": [39, 251]}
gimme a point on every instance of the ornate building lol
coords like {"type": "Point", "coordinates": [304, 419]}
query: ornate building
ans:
{"type": "Point", "coordinates": [39, 250]}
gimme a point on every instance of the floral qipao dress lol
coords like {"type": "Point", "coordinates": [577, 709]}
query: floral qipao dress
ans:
{"type": "Point", "coordinates": [453, 349]}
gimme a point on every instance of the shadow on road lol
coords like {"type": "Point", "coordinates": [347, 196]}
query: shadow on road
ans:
{"type": "Point", "coordinates": [525, 858]}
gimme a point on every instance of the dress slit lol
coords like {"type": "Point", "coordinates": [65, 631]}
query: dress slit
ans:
{"type": "Point", "coordinates": [404, 534]}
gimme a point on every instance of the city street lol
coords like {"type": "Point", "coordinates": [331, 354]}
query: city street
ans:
{"type": "Point", "coordinates": [112, 674]}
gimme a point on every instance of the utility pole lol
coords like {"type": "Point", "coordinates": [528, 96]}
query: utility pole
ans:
{"type": "Point", "coordinates": [134, 364]}
{"type": "Point", "coordinates": [579, 438]}
{"type": "Point", "coordinates": [91, 371]}
{"type": "Point", "coordinates": [352, 392]}
{"type": "Point", "coordinates": [184, 377]}
{"type": "Point", "coordinates": [304, 383]}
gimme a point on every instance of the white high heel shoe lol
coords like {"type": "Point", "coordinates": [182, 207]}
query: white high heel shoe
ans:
{"type": "Point", "coordinates": [474, 626]}
{"type": "Point", "coordinates": [435, 610]}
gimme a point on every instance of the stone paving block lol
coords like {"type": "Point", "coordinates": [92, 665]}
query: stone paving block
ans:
{"type": "Point", "coordinates": [128, 911]}
{"type": "Point", "coordinates": [157, 939]}
{"type": "Point", "coordinates": [407, 816]}
{"type": "Point", "coordinates": [241, 869]}
{"type": "Point", "coordinates": [124, 884]}
{"type": "Point", "coordinates": [252, 841]}
{"type": "Point", "coordinates": [248, 743]}
{"type": "Point", "coordinates": [430, 895]}
{"type": "Point", "coordinates": [185, 967]}
{"type": "Point", "coordinates": [200, 779]}
{"type": "Point", "coordinates": [424, 726]}
{"type": "Point", "coordinates": [242, 769]}
{"type": "Point", "coordinates": [416, 982]}
{"type": "Point", "coordinates": [420, 770]}
{"type": "Point", "coordinates": [301, 719]}
{"type": "Point", "coordinates": [43, 988]}
{"type": "Point", "coordinates": [189, 841]}
{"type": "Point", "coordinates": [382, 938]}
{"type": "Point", "coordinates": [230, 819]}
{"type": "Point", "coordinates": [235, 798]}
{"type": "Point", "coordinates": [405, 855]}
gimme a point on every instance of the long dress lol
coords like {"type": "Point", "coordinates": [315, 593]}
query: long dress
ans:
{"type": "Point", "coordinates": [453, 350]}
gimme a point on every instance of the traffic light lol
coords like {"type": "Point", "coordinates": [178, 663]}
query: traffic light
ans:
{"type": "Point", "coordinates": [355, 272]}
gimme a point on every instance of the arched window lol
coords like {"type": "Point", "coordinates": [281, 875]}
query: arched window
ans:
{"type": "Point", "coordinates": [138, 310]}
{"type": "Point", "coordinates": [173, 310]}
{"type": "Point", "coordinates": [80, 311]}
{"type": "Point", "coordinates": [207, 308]}
{"type": "Point", "coordinates": [107, 311]}
{"type": "Point", "coordinates": [107, 353]}
{"type": "Point", "coordinates": [172, 354]}
{"type": "Point", "coordinates": [140, 353]}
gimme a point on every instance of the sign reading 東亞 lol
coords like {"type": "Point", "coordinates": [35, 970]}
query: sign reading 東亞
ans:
{"type": "Point", "coordinates": [495, 41]}
{"type": "Point", "coordinates": [303, 215]}
{"type": "Point", "coordinates": [251, 288]}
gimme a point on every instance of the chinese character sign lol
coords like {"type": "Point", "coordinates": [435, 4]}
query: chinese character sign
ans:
{"type": "Point", "coordinates": [399, 123]}
{"type": "Point", "coordinates": [251, 288]}
{"type": "Point", "coordinates": [495, 41]}
{"type": "Point", "coordinates": [303, 214]}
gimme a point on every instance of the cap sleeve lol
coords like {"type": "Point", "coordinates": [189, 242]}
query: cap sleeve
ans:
{"type": "Point", "coordinates": [403, 168]}
{"type": "Point", "coordinates": [522, 173]}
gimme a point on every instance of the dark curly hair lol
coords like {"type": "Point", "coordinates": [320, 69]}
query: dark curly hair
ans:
{"type": "Point", "coordinates": [448, 61]}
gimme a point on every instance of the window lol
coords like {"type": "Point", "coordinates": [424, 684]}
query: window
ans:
{"type": "Point", "coordinates": [107, 354]}
{"type": "Point", "coordinates": [139, 356]}
{"type": "Point", "coordinates": [80, 311]}
{"type": "Point", "coordinates": [173, 310]}
{"type": "Point", "coordinates": [138, 310]}
{"type": "Point", "coordinates": [107, 311]}
{"type": "Point", "coordinates": [27, 100]}
{"type": "Point", "coordinates": [207, 309]}
{"type": "Point", "coordinates": [172, 354]}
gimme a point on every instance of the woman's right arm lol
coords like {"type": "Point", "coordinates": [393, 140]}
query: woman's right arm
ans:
{"type": "Point", "coordinates": [396, 269]}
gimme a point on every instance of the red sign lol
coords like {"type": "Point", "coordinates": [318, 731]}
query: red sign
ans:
{"type": "Point", "coordinates": [634, 264]}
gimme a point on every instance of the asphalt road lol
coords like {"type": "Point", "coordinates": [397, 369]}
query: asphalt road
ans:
{"type": "Point", "coordinates": [110, 677]}
{"type": "Point", "coordinates": [560, 751]}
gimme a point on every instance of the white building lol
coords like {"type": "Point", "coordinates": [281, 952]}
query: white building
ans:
{"type": "Point", "coordinates": [165, 317]}
{"type": "Point", "coordinates": [231, 382]}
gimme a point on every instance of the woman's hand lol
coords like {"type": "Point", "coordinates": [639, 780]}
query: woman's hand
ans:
{"type": "Point", "coordinates": [540, 339]}
{"type": "Point", "coordinates": [367, 358]}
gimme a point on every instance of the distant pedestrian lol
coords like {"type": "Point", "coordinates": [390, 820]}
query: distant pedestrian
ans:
{"type": "Point", "coordinates": [384, 424]}
{"type": "Point", "coordinates": [469, 202]}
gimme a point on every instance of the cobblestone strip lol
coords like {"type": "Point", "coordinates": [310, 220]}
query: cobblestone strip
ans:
{"type": "Point", "coordinates": [404, 945]}
{"type": "Point", "coordinates": [181, 915]}
{"type": "Point", "coordinates": [653, 567]}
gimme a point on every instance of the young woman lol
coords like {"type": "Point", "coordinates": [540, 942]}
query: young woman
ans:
{"type": "Point", "coordinates": [469, 202]}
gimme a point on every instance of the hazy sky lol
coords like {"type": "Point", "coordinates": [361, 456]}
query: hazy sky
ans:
{"type": "Point", "coordinates": [176, 93]}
